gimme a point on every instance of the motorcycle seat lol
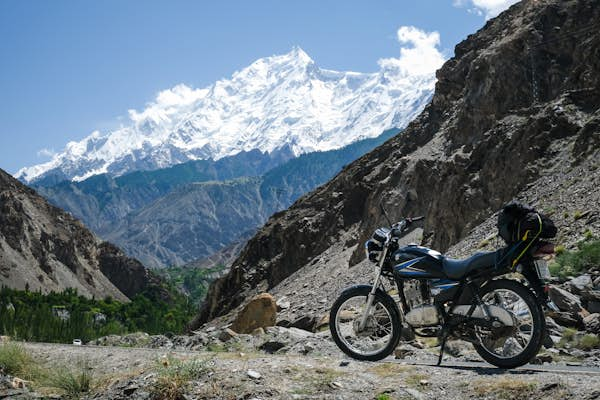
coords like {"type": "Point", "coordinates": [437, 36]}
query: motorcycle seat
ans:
{"type": "Point", "coordinates": [456, 269]}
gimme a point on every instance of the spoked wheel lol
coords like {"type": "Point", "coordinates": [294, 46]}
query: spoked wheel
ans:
{"type": "Point", "coordinates": [381, 332]}
{"type": "Point", "coordinates": [510, 347]}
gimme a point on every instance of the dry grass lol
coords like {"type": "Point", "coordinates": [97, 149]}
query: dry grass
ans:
{"type": "Point", "coordinates": [503, 388]}
{"type": "Point", "coordinates": [314, 381]}
{"type": "Point", "coordinates": [74, 381]}
{"type": "Point", "coordinates": [14, 360]}
{"type": "Point", "coordinates": [174, 376]}
{"type": "Point", "coordinates": [387, 369]}
{"type": "Point", "coordinates": [415, 379]}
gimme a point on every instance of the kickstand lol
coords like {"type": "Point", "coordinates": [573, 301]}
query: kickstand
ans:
{"type": "Point", "coordinates": [442, 346]}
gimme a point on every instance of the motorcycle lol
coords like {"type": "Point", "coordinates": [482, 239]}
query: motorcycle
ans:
{"type": "Point", "coordinates": [469, 299]}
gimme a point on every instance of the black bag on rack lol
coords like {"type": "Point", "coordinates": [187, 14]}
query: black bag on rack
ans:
{"type": "Point", "coordinates": [516, 218]}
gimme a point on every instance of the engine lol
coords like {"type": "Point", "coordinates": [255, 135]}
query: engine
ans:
{"type": "Point", "coordinates": [420, 300]}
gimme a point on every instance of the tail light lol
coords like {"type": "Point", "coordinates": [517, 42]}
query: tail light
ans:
{"type": "Point", "coordinates": [545, 250]}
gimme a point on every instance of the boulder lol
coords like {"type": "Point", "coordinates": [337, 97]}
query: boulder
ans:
{"type": "Point", "coordinates": [593, 306]}
{"type": "Point", "coordinates": [564, 300]}
{"type": "Point", "coordinates": [592, 323]}
{"type": "Point", "coordinates": [323, 322]}
{"type": "Point", "coordinates": [580, 283]}
{"type": "Point", "coordinates": [306, 322]}
{"type": "Point", "coordinates": [260, 312]}
{"type": "Point", "coordinates": [227, 334]}
{"type": "Point", "coordinates": [272, 346]}
{"type": "Point", "coordinates": [283, 304]}
{"type": "Point", "coordinates": [565, 318]}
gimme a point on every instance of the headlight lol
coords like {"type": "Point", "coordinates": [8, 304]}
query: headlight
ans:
{"type": "Point", "coordinates": [372, 250]}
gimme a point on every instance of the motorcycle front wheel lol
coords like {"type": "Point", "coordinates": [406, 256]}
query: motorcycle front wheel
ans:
{"type": "Point", "coordinates": [517, 345]}
{"type": "Point", "coordinates": [381, 333]}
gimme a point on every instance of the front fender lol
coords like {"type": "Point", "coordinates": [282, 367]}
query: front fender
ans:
{"type": "Point", "coordinates": [366, 289]}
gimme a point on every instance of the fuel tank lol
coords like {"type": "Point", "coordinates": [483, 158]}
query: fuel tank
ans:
{"type": "Point", "coordinates": [417, 262]}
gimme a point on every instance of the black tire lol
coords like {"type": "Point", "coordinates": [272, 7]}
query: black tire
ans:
{"type": "Point", "coordinates": [539, 325]}
{"type": "Point", "coordinates": [380, 297]}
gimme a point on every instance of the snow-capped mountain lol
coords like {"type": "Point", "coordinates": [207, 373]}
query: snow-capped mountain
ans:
{"type": "Point", "coordinates": [283, 102]}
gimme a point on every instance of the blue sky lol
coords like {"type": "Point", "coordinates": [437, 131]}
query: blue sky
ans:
{"type": "Point", "coordinates": [68, 68]}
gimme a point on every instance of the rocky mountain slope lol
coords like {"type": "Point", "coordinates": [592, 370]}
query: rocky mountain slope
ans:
{"type": "Point", "coordinates": [279, 103]}
{"type": "Point", "coordinates": [183, 213]}
{"type": "Point", "coordinates": [521, 96]}
{"type": "Point", "coordinates": [44, 248]}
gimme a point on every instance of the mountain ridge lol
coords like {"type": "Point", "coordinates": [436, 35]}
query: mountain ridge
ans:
{"type": "Point", "coordinates": [276, 102]}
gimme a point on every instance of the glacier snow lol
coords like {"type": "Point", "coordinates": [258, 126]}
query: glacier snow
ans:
{"type": "Point", "coordinates": [278, 102]}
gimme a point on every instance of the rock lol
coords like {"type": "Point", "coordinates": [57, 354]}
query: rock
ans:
{"type": "Point", "coordinates": [298, 333]}
{"type": "Point", "coordinates": [565, 318]}
{"type": "Point", "coordinates": [227, 334]}
{"type": "Point", "coordinates": [258, 332]}
{"type": "Point", "coordinates": [344, 363]}
{"type": "Point", "coordinates": [284, 322]}
{"type": "Point", "coordinates": [404, 350]}
{"type": "Point", "coordinates": [590, 295]}
{"type": "Point", "coordinates": [550, 386]}
{"type": "Point", "coordinates": [323, 322]}
{"type": "Point", "coordinates": [415, 394]}
{"type": "Point", "coordinates": [260, 312]}
{"type": "Point", "coordinates": [593, 306]}
{"type": "Point", "coordinates": [553, 327]}
{"type": "Point", "coordinates": [18, 383]}
{"type": "Point", "coordinates": [283, 304]}
{"type": "Point", "coordinates": [254, 374]}
{"type": "Point", "coordinates": [307, 323]}
{"type": "Point", "coordinates": [592, 323]}
{"type": "Point", "coordinates": [542, 358]}
{"type": "Point", "coordinates": [457, 348]}
{"type": "Point", "coordinates": [580, 283]}
{"type": "Point", "coordinates": [128, 391]}
{"type": "Point", "coordinates": [272, 346]}
{"type": "Point", "coordinates": [564, 300]}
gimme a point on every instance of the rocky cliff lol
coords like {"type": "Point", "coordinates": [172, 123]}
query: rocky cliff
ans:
{"type": "Point", "coordinates": [44, 248]}
{"type": "Point", "coordinates": [520, 97]}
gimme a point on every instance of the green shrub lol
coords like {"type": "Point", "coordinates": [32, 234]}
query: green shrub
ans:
{"type": "Point", "coordinates": [589, 342]}
{"type": "Point", "coordinates": [174, 375]}
{"type": "Point", "coordinates": [577, 215]}
{"type": "Point", "coordinates": [14, 360]}
{"type": "Point", "coordinates": [568, 336]}
{"type": "Point", "coordinates": [569, 263]}
{"type": "Point", "coordinates": [74, 381]}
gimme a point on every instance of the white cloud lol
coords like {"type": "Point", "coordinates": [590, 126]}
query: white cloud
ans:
{"type": "Point", "coordinates": [46, 153]}
{"type": "Point", "coordinates": [421, 57]}
{"type": "Point", "coordinates": [487, 8]}
{"type": "Point", "coordinates": [167, 102]}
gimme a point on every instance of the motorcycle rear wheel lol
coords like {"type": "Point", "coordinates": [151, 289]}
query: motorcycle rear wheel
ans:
{"type": "Point", "coordinates": [527, 312]}
{"type": "Point", "coordinates": [380, 336]}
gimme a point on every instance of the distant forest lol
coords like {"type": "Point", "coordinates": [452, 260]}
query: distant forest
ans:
{"type": "Point", "coordinates": [62, 317]}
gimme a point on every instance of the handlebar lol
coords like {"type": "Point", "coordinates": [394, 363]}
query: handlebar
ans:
{"type": "Point", "coordinates": [403, 225]}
